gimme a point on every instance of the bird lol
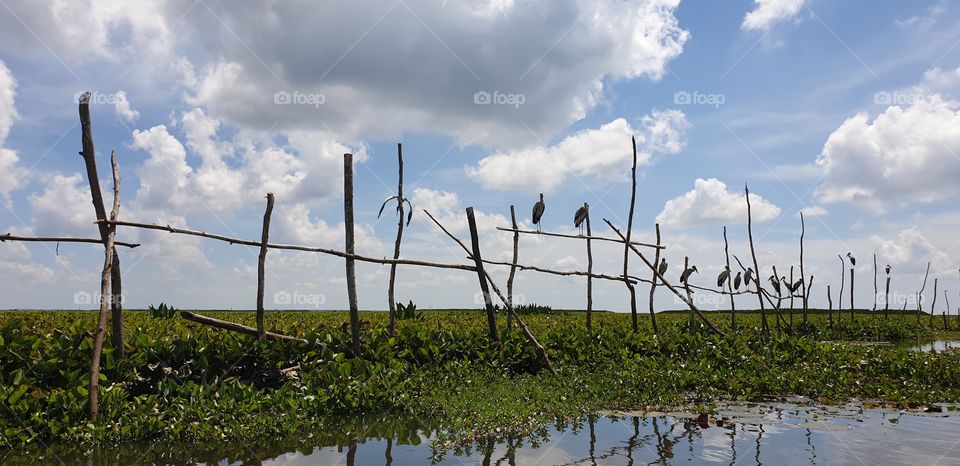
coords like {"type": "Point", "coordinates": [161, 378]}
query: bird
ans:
{"type": "Point", "coordinates": [853, 260]}
{"type": "Point", "coordinates": [747, 276]}
{"type": "Point", "coordinates": [736, 282]}
{"type": "Point", "coordinates": [796, 285]}
{"type": "Point", "coordinates": [663, 267]}
{"type": "Point", "coordinates": [775, 283]}
{"type": "Point", "coordinates": [887, 268]}
{"type": "Point", "coordinates": [580, 216]}
{"type": "Point", "coordinates": [538, 212]}
{"type": "Point", "coordinates": [724, 276]}
{"type": "Point", "coordinates": [686, 274]}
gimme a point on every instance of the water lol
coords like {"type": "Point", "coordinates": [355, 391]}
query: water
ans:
{"type": "Point", "coordinates": [734, 434]}
{"type": "Point", "coordinates": [936, 345]}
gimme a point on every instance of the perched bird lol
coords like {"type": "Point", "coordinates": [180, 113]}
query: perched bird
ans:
{"type": "Point", "coordinates": [723, 277]}
{"type": "Point", "coordinates": [775, 283]}
{"type": "Point", "coordinates": [686, 274]}
{"type": "Point", "coordinates": [663, 267]}
{"type": "Point", "coordinates": [796, 285]}
{"type": "Point", "coordinates": [747, 276]}
{"type": "Point", "coordinates": [853, 260]}
{"type": "Point", "coordinates": [736, 282]}
{"type": "Point", "coordinates": [538, 212]}
{"type": "Point", "coordinates": [580, 216]}
{"type": "Point", "coordinates": [887, 268]}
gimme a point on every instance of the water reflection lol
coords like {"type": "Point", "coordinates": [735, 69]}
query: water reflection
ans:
{"type": "Point", "coordinates": [936, 345]}
{"type": "Point", "coordinates": [734, 434]}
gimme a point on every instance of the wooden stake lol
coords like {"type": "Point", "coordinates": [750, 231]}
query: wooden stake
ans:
{"type": "Point", "coordinates": [222, 324]}
{"type": "Point", "coordinates": [791, 295]}
{"type": "Point", "coordinates": [933, 306]}
{"type": "Point", "coordinates": [349, 240]}
{"type": "Point", "coordinates": [261, 266]}
{"type": "Point", "coordinates": [875, 282]}
{"type": "Point", "coordinates": [578, 237]}
{"type": "Point", "coordinates": [806, 302]}
{"type": "Point", "coordinates": [391, 299]}
{"type": "Point", "coordinates": [852, 318]}
{"type": "Point", "coordinates": [843, 274]}
{"type": "Point", "coordinates": [513, 265]}
{"type": "Point", "coordinates": [753, 253]}
{"type": "Point", "coordinates": [105, 277]}
{"type": "Point", "coordinates": [481, 275]}
{"type": "Point", "coordinates": [733, 308]}
{"type": "Point", "coordinates": [923, 287]}
{"type": "Point", "coordinates": [653, 283]}
{"type": "Point", "coordinates": [90, 163]}
{"type": "Point", "coordinates": [686, 288]}
{"type": "Point", "coordinates": [589, 275]}
{"type": "Point", "coordinates": [886, 299]}
{"type": "Point", "coordinates": [60, 239]}
{"type": "Point", "coordinates": [830, 301]}
{"type": "Point", "coordinates": [626, 239]}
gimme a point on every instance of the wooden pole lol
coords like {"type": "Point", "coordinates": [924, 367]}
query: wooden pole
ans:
{"type": "Point", "coordinates": [830, 301]}
{"type": "Point", "coordinates": [90, 163]}
{"type": "Point", "coordinates": [875, 282]}
{"type": "Point", "coordinates": [105, 277]}
{"type": "Point", "coordinates": [261, 265]}
{"type": "Point", "coordinates": [843, 274]}
{"type": "Point", "coordinates": [923, 287]}
{"type": "Point", "coordinates": [589, 273]}
{"type": "Point", "coordinates": [653, 283]}
{"type": "Point", "coordinates": [626, 239]}
{"type": "Point", "coordinates": [886, 299]}
{"type": "Point", "coordinates": [851, 294]}
{"type": "Point", "coordinates": [753, 253]}
{"type": "Point", "coordinates": [933, 306]}
{"type": "Point", "coordinates": [481, 275]}
{"type": "Point", "coordinates": [391, 299]}
{"type": "Point", "coordinates": [686, 288]}
{"type": "Point", "coordinates": [60, 239]}
{"type": "Point", "coordinates": [578, 237]}
{"type": "Point", "coordinates": [733, 308]}
{"type": "Point", "coordinates": [222, 324]}
{"type": "Point", "coordinates": [351, 270]}
{"type": "Point", "coordinates": [805, 300]}
{"type": "Point", "coordinates": [791, 295]}
{"type": "Point", "coordinates": [513, 265]}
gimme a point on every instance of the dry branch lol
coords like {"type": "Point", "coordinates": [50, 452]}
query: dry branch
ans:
{"type": "Point", "coordinates": [222, 324]}
{"type": "Point", "coordinates": [481, 275]}
{"type": "Point", "coordinates": [513, 265]}
{"type": "Point", "coordinates": [261, 264]}
{"type": "Point", "coordinates": [753, 254]}
{"type": "Point", "coordinates": [653, 282]}
{"type": "Point", "coordinates": [351, 270]}
{"type": "Point", "coordinates": [61, 239]}
{"type": "Point", "coordinates": [726, 252]}
{"type": "Point", "coordinates": [589, 277]}
{"type": "Point", "coordinates": [592, 238]}
{"type": "Point", "coordinates": [391, 298]}
{"type": "Point", "coordinates": [626, 239]}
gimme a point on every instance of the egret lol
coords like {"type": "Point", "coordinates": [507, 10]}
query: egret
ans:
{"type": "Point", "coordinates": [736, 282]}
{"type": "Point", "coordinates": [747, 276]}
{"type": "Point", "coordinates": [685, 276]}
{"type": "Point", "coordinates": [724, 276]}
{"type": "Point", "coordinates": [887, 268]}
{"type": "Point", "coordinates": [663, 267]}
{"type": "Point", "coordinates": [775, 283]}
{"type": "Point", "coordinates": [580, 216]}
{"type": "Point", "coordinates": [853, 260]}
{"type": "Point", "coordinates": [538, 212]}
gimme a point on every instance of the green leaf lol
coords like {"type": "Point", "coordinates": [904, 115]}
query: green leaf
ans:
{"type": "Point", "coordinates": [17, 395]}
{"type": "Point", "coordinates": [82, 390]}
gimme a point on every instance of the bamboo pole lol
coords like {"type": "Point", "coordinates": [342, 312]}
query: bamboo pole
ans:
{"type": "Point", "coordinates": [563, 235]}
{"type": "Point", "coordinates": [626, 239]}
{"type": "Point", "coordinates": [665, 282]}
{"type": "Point", "coordinates": [589, 273]}
{"type": "Point", "coordinates": [4, 237]}
{"type": "Point", "coordinates": [350, 264]}
{"type": "Point", "coordinates": [391, 298]}
{"type": "Point", "coordinates": [753, 253]}
{"type": "Point", "coordinates": [531, 338]}
{"type": "Point", "coordinates": [108, 255]}
{"type": "Point", "coordinates": [90, 164]}
{"type": "Point", "coordinates": [481, 276]}
{"type": "Point", "coordinates": [290, 247]}
{"type": "Point", "coordinates": [261, 265]}
{"type": "Point", "coordinates": [653, 283]}
{"type": "Point", "coordinates": [513, 265]}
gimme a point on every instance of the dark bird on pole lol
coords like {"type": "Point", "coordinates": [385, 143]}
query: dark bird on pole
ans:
{"type": "Point", "coordinates": [685, 276]}
{"type": "Point", "coordinates": [748, 276]}
{"type": "Point", "coordinates": [538, 209]}
{"type": "Point", "coordinates": [775, 283]}
{"type": "Point", "coordinates": [887, 268]}
{"type": "Point", "coordinates": [663, 267]}
{"type": "Point", "coordinates": [736, 282]}
{"type": "Point", "coordinates": [723, 277]}
{"type": "Point", "coordinates": [853, 260]}
{"type": "Point", "coordinates": [580, 216]}
{"type": "Point", "coordinates": [796, 285]}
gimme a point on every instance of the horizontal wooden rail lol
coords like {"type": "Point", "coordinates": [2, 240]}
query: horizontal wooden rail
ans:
{"type": "Point", "coordinates": [222, 324]}
{"type": "Point", "coordinates": [597, 238]}
{"type": "Point", "coordinates": [60, 239]}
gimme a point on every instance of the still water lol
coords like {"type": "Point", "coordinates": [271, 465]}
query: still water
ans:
{"type": "Point", "coordinates": [738, 434]}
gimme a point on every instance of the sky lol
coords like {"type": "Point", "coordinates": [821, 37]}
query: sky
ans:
{"type": "Point", "coordinates": [847, 111]}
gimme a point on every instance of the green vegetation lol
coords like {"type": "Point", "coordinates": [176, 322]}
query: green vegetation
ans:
{"type": "Point", "coordinates": [186, 382]}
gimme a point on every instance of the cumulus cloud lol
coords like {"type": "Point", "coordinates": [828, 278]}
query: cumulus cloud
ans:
{"type": "Point", "coordinates": [64, 207]}
{"type": "Point", "coordinates": [123, 109]}
{"type": "Point", "coordinates": [813, 211]}
{"type": "Point", "coordinates": [603, 151]}
{"type": "Point", "coordinates": [331, 66]}
{"type": "Point", "coordinates": [906, 154]}
{"type": "Point", "coordinates": [767, 13]}
{"type": "Point", "coordinates": [910, 250]}
{"type": "Point", "coordinates": [10, 172]}
{"type": "Point", "coordinates": [710, 202]}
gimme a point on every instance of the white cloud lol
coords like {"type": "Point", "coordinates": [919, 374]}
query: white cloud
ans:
{"type": "Point", "coordinates": [604, 152]}
{"type": "Point", "coordinates": [10, 172]}
{"type": "Point", "coordinates": [766, 13]}
{"type": "Point", "coordinates": [910, 252]}
{"type": "Point", "coordinates": [710, 202]}
{"type": "Point", "coordinates": [907, 154]}
{"type": "Point", "coordinates": [64, 208]}
{"type": "Point", "coordinates": [123, 109]}
{"type": "Point", "coordinates": [813, 211]}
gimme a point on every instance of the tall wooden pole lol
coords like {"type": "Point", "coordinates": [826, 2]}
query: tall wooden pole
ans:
{"type": "Point", "coordinates": [261, 266]}
{"type": "Point", "coordinates": [626, 247]}
{"type": "Point", "coordinates": [481, 275]}
{"type": "Point", "coordinates": [90, 163]}
{"type": "Point", "coordinates": [886, 299]}
{"type": "Point", "coordinates": [351, 270]}
{"type": "Point", "coordinates": [513, 265]}
{"type": "Point", "coordinates": [686, 289]}
{"type": "Point", "coordinates": [589, 275]}
{"type": "Point", "coordinates": [753, 254]}
{"type": "Point", "coordinates": [391, 298]}
{"type": "Point", "coordinates": [851, 293]}
{"type": "Point", "coordinates": [875, 282]}
{"type": "Point", "coordinates": [830, 304]}
{"type": "Point", "coordinates": [805, 300]}
{"type": "Point", "coordinates": [653, 283]}
{"type": "Point", "coordinates": [843, 274]}
{"type": "Point", "coordinates": [733, 308]}
{"type": "Point", "coordinates": [93, 388]}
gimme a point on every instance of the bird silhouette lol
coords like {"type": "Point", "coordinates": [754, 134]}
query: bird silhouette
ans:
{"type": "Point", "coordinates": [853, 260]}
{"type": "Point", "coordinates": [736, 282]}
{"type": "Point", "coordinates": [538, 209]}
{"type": "Point", "coordinates": [887, 268]}
{"type": "Point", "coordinates": [723, 277]}
{"type": "Point", "coordinates": [775, 283]}
{"type": "Point", "coordinates": [748, 276]}
{"type": "Point", "coordinates": [685, 276]}
{"type": "Point", "coordinates": [796, 285]}
{"type": "Point", "coordinates": [663, 267]}
{"type": "Point", "coordinates": [580, 216]}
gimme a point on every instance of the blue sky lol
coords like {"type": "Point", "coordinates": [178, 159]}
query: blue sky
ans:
{"type": "Point", "coordinates": [845, 109]}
